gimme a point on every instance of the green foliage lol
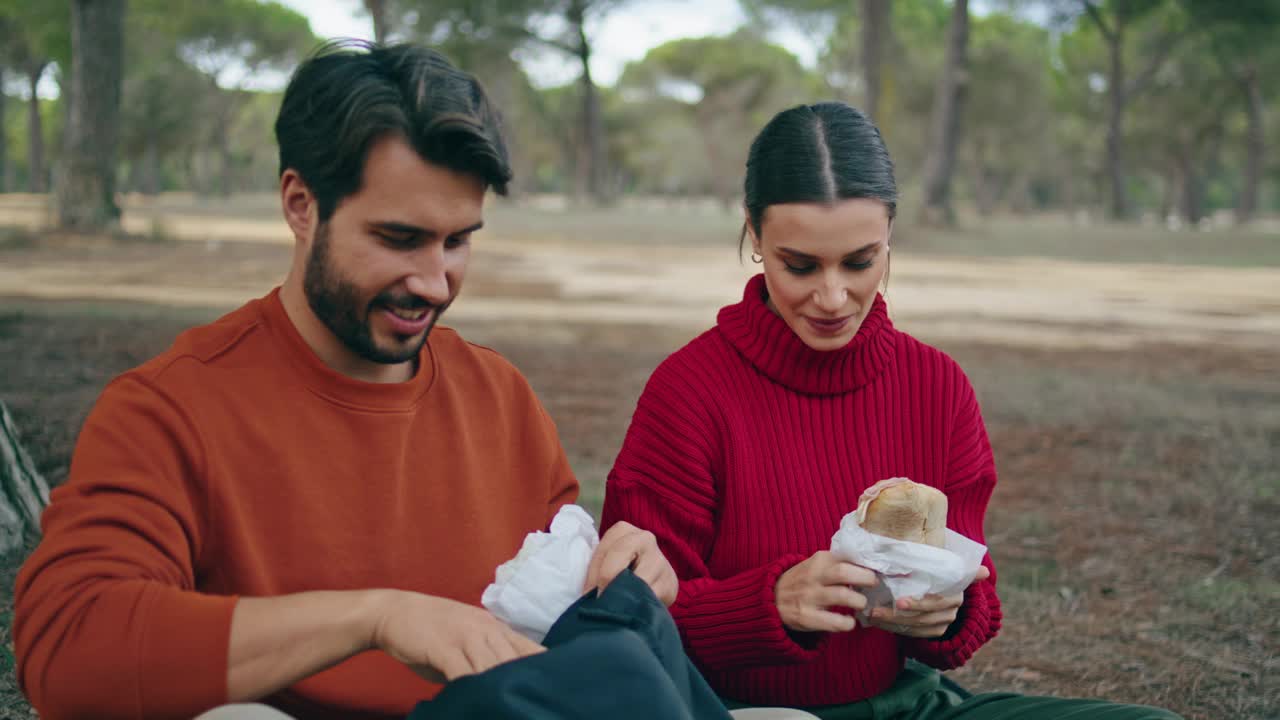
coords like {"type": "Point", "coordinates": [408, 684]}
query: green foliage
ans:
{"type": "Point", "coordinates": [726, 87]}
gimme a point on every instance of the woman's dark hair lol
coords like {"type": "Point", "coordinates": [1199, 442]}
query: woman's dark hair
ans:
{"type": "Point", "coordinates": [817, 154]}
{"type": "Point", "coordinates": [351, 93]}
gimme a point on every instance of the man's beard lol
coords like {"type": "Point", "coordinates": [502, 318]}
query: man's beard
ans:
{"type": "Point", "coordinates": [336, 301]}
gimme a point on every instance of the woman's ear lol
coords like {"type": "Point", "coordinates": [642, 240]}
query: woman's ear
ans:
{"type": "Point", "coordinates": [750, 230]}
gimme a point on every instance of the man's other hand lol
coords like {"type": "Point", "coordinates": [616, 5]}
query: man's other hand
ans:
{"type": "Point", "coordinates": [627, 546]}
{"type": "Point", "coordinates": [442, 639]}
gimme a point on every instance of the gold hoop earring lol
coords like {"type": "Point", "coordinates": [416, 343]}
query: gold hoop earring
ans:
{"type": "Point", "coordinates": [756, 257]}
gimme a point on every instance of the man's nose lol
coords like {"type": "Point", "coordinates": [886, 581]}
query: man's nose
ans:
{"type": "Point", "coordinates": [429, 279]}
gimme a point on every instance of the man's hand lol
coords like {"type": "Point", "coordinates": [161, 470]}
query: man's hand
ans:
{"type": "Point", "coordinates": [627, 546]}
{"type": "Point", "coordinates": [926, 617]}
{"type": "Point", "coordinates": [807, 591]}
{"type": "Point", "coordinates": [442, 639]}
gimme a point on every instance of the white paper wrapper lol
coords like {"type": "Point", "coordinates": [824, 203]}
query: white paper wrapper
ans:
{"type": "Point", "coordinates": [533, 589]}
{"type": "Point", "coordinates": [908, 569]}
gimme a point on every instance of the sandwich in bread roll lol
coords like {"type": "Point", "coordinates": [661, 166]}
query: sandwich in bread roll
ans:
{"type": "Point", "coordinates": [904, 510]}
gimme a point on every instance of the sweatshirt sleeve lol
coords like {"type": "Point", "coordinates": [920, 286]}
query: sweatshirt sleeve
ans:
{"type": "Point", "coordinates": [664, 481]}
{"type": "Point", "coordinates": [562, 484]}
{"type": "Point", "coordinates": [107, 622]}
{"type": "Point", "coordinates": [971, 478]}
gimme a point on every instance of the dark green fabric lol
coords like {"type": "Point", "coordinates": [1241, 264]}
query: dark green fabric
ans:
{"type": "Point", "coordinates": [922, 693]}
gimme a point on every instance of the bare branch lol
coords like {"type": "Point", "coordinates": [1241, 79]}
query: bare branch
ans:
{"type": "Point", "coordinates": [1164, 48]}
{"type": "Point", "coordinates": [1096, 15]}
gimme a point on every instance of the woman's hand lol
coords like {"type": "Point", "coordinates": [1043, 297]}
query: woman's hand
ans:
{"type": "Point", "coordinates": [806, 592]}
{"type": "Point", "coordinates": [926, 617]}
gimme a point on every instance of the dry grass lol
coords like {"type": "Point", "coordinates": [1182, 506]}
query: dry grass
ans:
{"type": "Point", "coordinates": [1133, 528]}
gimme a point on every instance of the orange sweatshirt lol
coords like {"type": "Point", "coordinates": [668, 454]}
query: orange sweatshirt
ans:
{"type": "Point", "coordinates": [237, 463]}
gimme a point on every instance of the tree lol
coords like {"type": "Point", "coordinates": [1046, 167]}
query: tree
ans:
{"type": "Point", "coordinates": [948, 107]}
{"type": "Point", "coordinates": [1178, 129]}
{"type": "Point", "coordinates": [841, 20]}
{"type": "Point", "coordinates": [1008, 117]}
{"type": "Point", "coordinates": [1242, 41]}
{"type": "Point", "coordinates": [36, 35]}
{"type": "Point", "coordinates": [164, 99]}
{"type": "Point", "coordinates": [380, 13]}
{"type": "Point", "coordinates": [1113, 20]}
{"type": "Point", "coordinates": [501, 26]}
{"type": "Point", "coordinates": [875, 39]}
{"type": "Point", "coordinates": [729, 86]}
{"type": "Point", "coordinates": [229, 42]}
{"type": "Point", "coordinates": [4, 136]}
{"type": "Point", "coordinates": [24, 493]}
{"type": "Point", "coordinates": [85, 192]}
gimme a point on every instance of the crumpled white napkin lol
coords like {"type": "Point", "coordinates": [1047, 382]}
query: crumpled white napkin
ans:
{"type": "Point", "coordinates": [533, 589]}
{"type": "Point", "coordinates": [907, 569]}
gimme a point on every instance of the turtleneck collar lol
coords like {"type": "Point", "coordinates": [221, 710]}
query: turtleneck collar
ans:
{"type": "Point", "coordinates": [768, 343]}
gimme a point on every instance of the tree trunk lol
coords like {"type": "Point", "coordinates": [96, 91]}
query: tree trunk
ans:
{"type": "Point", "coordinates": [589, 176]}
{"type": "Point", "coordinates": [875, 35]}
{"type": "Point", "coordinates": [1118, 204]}
{"type": "Point", "coordinates": [1172, 181]}
{"type": "Point", "coordinates": [150, 176]}
{"type": "Point", "coordinates": [86, 185]}
{"type": "Point", "coordinates": [983, 194]}
{"type": "Point", "coordinates": [1255, 150]}
{"type": "Point", "coordinates": [377, 10]}
{"type": "Point", "coordinates": [36, 172]}
{"type": "Point", "coordinates": [948, 105]}
{"type": "Point", "coordinates": [222, 140]}
{"type": "Point", "coordinates": [25, 492]}
{"type": "Point", "coordinates": [4, 145]}
{"type": "Point", "coordinates": [1192, 188]}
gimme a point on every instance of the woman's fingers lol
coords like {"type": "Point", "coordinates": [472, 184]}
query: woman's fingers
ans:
{"type": "Point", "coordinates": [840, 596]}
{"type": "Point", "coordinates": [846, 573]}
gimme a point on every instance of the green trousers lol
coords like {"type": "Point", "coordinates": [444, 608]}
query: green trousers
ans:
{"type": "Point", "coordinates": [920, 693]}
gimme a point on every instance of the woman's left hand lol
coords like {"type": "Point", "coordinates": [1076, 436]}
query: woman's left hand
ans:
{"type": "Point", "coordinates": [925, 617]}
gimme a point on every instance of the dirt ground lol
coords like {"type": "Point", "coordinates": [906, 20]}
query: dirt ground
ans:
{"type": "Point", "coordinates": [1134, 411]}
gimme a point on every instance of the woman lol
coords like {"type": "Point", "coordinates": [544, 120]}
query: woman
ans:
{"type": "Point", "coordinates": [750, 443]}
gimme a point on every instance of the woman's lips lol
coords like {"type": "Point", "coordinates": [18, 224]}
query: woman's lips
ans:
{"type": "Point", "coordinates": [828, 327]}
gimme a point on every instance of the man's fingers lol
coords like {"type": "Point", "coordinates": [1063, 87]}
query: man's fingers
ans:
{"type": "Point", "coordinates": [481, 653]}
{"type": "Point", "coordinates": [652, 567]}
{"type": "Point", "coordinates": [983, 573]}
{"type": "Point", "coordinates": [522, 645]}
{"type": "Point", "coordinates": [613, 563]}
{"type": "Point", "coordinates": [598, 576]}
{"type": "Point", "coordinates": [453, 664]}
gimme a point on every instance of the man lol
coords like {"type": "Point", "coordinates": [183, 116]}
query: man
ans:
{"type": "Point", "coordinates": [302, 502]}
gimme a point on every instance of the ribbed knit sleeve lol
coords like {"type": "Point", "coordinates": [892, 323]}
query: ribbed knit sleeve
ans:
{"type": "Point", "coordinates": [107, 622]}
{"type": "Point", "coordinates": [970, 480]}
{"type": "Point", "coordinates": [663, 481]}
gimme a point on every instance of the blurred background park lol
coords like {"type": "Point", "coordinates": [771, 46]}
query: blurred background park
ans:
{"type": "Point", "coordinates": [1089, 223]}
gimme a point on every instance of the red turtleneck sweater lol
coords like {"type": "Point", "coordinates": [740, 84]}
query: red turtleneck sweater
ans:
{"type": "Point", "coordinates": [746, 449]}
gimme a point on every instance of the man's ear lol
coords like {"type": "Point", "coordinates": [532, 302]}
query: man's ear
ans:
{"type": "Point", "coordinates": [300, 209]}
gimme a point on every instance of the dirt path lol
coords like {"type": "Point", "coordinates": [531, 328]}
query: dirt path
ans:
{"type": "Point", "coordinates": [215, 260]}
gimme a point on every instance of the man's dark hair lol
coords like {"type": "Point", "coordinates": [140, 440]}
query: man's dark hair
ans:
{"type": "Point", "coordinates": [817, 154]}
{"type": "Point", "coordinates": [350, 94]}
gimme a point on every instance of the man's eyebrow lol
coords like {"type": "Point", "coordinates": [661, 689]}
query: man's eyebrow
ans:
{"type": "Point", "coordinates": [399, 228]}
{"type": "Point", "coordinates": [806, 256]}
